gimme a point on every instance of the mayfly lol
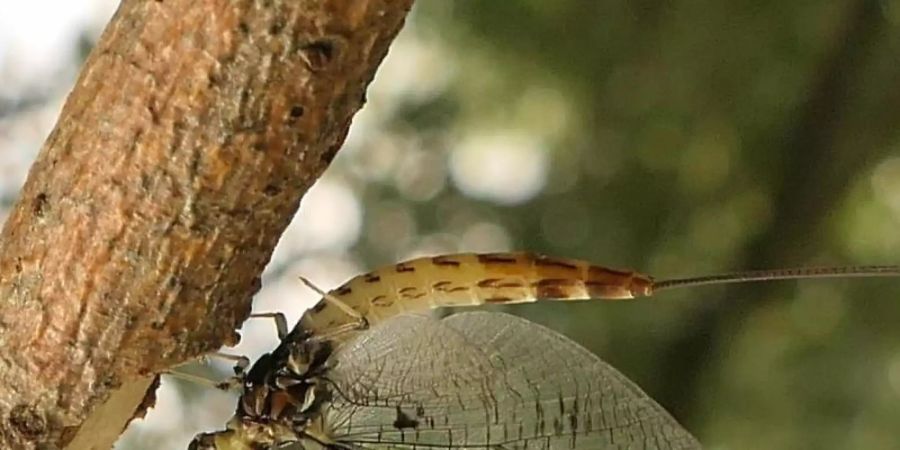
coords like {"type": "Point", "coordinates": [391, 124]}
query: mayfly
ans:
{"type": "Point", "coordinates": [363, 369]}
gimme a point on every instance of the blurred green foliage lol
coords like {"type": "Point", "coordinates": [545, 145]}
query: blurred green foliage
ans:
{"type": "Point", "coordinates": [688, 137]}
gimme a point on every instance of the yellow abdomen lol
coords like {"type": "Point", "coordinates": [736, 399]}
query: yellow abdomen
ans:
{"type": "Point", "coordinates": [471, 279]}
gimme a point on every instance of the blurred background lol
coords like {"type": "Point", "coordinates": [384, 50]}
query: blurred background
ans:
{"type": "Point", "coordinates": [672, 137]}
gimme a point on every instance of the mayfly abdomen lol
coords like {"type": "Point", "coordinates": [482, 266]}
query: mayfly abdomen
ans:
{"type": "Point", "coordinates": [469, 279]}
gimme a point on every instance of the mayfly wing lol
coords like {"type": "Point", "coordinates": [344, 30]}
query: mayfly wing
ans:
{"type": "Point", "coordinates": [482, 380]}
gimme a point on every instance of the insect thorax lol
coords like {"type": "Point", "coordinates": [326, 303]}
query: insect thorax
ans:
{"type": "Point", "coordinates": [281, 400]}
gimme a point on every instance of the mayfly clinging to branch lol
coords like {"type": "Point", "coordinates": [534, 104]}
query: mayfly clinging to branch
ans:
{"type": "Point", "coordinates": [362, 370]}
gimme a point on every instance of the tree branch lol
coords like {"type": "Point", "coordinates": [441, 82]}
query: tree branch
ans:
{"type": "Point", "coordinates": [179, 158]}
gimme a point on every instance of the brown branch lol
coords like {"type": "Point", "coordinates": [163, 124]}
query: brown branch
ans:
{"type": "Point", "coordinates": [179, 158]}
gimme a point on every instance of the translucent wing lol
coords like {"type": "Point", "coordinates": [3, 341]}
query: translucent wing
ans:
{"type": "Point", "coordinates": [486, 381]}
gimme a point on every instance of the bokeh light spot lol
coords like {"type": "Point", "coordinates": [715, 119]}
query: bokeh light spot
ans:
{"type": "Point", "coordinates": [485, 237]}
{"type": "Point", "coordinates": [508, 168]}
{"type": "Point", "coordinates": [886, 184]}
{"type": "Point", "coordinates": [421, 175]}
{"type": "Point", "coordinates": [330, 218]}
{"type": "Point", "coordinates": [390, 227]}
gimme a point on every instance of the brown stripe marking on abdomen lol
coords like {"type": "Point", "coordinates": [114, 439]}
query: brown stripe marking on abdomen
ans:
{"type": "Point", "coordinates": [446, 261]}
{"type": "Point", "coordinates": [557, 288]}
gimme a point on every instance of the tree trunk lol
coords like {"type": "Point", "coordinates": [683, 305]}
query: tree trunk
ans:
{"type": "Point", "coordinates": [179, 158]}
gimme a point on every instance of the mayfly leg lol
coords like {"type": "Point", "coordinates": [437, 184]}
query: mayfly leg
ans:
{"type": "Point", "coordinates": [360, 321]}
{"type": "Point", "coordinates": [336, 332]}
{"type": "Point", "coordinates": [241, 363]}
{"type": "Point", "coordinates": [203, 381]}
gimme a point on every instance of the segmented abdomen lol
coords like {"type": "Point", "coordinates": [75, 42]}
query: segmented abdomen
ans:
{"type": "Point", "coordinates": [471, 279]}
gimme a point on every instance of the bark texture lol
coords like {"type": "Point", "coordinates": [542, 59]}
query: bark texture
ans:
{"type": "Point", "coordinates": [179, 158]}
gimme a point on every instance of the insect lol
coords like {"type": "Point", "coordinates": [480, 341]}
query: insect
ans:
{"type": "Point", "coordinates": [363, 369]}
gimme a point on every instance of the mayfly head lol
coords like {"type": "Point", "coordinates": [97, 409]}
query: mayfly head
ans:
{"type": "Point", "coordinates": [281, 396]}
{"type": "Point", "coordinates": [254, 436]}
{"type": "Point", "coordinates": [249, 435]}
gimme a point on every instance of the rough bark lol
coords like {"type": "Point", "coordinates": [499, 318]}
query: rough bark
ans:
{"type": "Point", "coordinates": [179, 158]}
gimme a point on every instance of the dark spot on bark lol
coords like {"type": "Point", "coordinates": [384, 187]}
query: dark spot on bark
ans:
{"type": "Point", "coordinates": [256, 284]}
{"type": "Point", "coordinates": [297, 111]}
{"type": "Point", "coordinates": [132, 147]}
{"type": "Point", "coordinates": [404, 421]}
{"type": "Point", "coordinates": [243, 27]}
{"type": "Point", "coordinates": [318, 54]}
{"type": "Point", "coordinates": [271, 190]}
{"type": "Point", "coordinates": [276, 26]}
{"type": "Point", "coordinates": [40, 205]}
{"type": "Point", "coordinates": [27, 421]}
{"type": "Point", "coordinates": [154, 115]}
{"type": "Point", "coordinates": [329, 154]}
